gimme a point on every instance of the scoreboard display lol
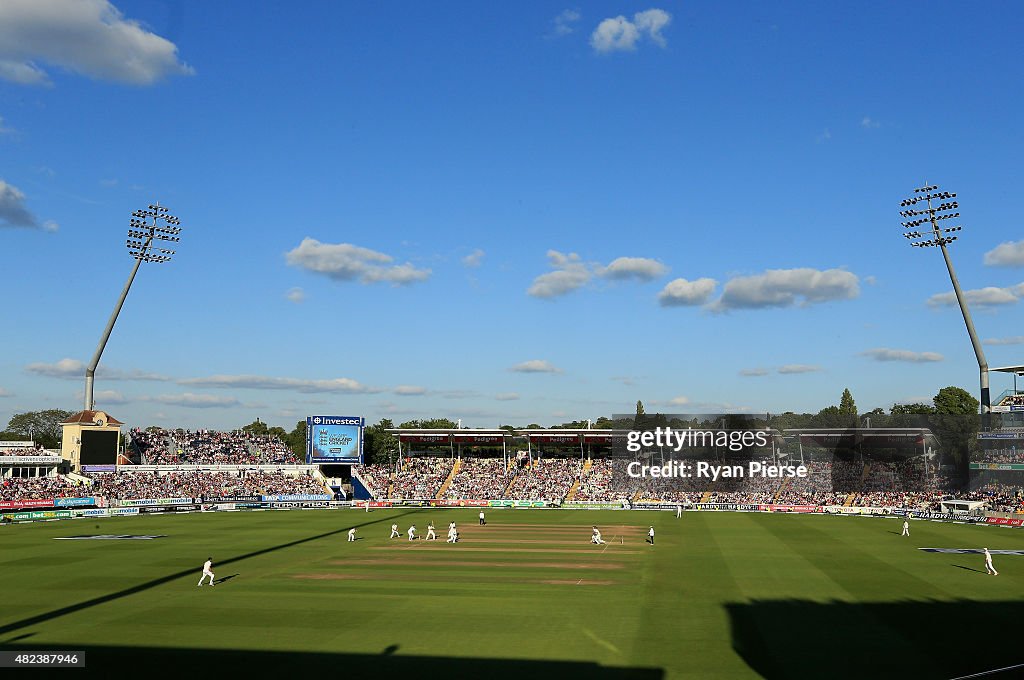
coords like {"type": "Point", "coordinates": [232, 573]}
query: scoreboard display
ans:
{"type": "Point", "coordinates": [98, 448]}
{"type": "Point", "coordinates": [334, 440]}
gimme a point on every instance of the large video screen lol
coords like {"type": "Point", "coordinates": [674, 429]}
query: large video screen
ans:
{"type": "Point", "coordinates": [98, 448]}
{"type": "Point", "coordinates": [334, 439]}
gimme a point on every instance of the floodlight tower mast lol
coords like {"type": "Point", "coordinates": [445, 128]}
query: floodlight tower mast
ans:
{"type": "Point", "coordinates": [940, 237]}
{"type": "Point", "coordinates": [141, 235]}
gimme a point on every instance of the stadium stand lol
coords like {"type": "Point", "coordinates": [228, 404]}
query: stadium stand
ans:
{"type": "Point", "coordinates": [545, 479]}
{"type": "Point", "coordinates": [478, 478]}
{"type": "Point", "coordinates": [194, 483]}
{"type": "Point", "coordinates": [209, 447]}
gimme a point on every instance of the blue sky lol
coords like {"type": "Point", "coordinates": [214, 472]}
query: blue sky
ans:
{"type": "Point", "coordinates": [525, 212]}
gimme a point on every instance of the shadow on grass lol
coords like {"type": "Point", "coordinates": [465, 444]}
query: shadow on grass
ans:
{"type": "Point", "coordinates": [70, 609]}
{"type": "Point", "coordinates": [157, 662]}
{"type": "Point", "coordinates": [960, 566]}
{"type": "Point", "coordinates": [842, 640]}
{"type": "Point", "coordinates": [227, 578]}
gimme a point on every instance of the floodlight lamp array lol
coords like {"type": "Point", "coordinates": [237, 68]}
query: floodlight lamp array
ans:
{"type": "Point", "coordinates": [142, 233]}
{"type": "Point", "coordinates": [930, 215]}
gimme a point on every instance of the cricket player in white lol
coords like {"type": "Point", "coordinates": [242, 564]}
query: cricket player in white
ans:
{"type": "Point", "coordinates": [679, 511]}
{"type": "Point", "coordinates": [650, 535]}
{"type": "Point", "coordinates": [431, 536]}
{"type": "Point", "coordinates": [989, 569]}
{"type": "Point", "coordinates": [482, 520]}
{"type": "Point", "coordinates": [453, 534]}
{"type": "Point", "coordinates": [906, 528]}
{"type": "Point", "coordinates": [351, 534]}
{"type": "Point", "coordinates": [596, 538]}
{"type": "Point", "coordinates": [394, 532]}
{"type": "Point", "coordinates": [207, 571]}
{"type": "Point", "coordinates": [412, 533]}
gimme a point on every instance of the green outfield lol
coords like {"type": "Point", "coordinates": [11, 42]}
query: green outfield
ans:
{"type": "Point", "coordinates": [719, 595]}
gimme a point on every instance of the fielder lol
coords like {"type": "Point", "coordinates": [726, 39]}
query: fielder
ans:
{"type": "Point", "coordinates": [352, 535]}
{"type": "Point", "coordinates": [453, 534]}
{"type": "Point", "coordinates": [989, 569]}
{"type": "Point", "coordinates": [596, 537]}
{"type": "Point", "coordinates": [906, 528]}
{"type": "Point", "coordinates": [207, 571]}
{"type": "Point", "coordinates": [650, 536]}
{"type": "Point", "coordinates": [679, 511]}
{"type": "Point", "coordinates": [482, 520]}
{"type": "Point", "coordinates": [412, 533]}
{"type": "Point", "coordinates": [394, 532]}
{"type": "Point", "coordinates": [431, 536]}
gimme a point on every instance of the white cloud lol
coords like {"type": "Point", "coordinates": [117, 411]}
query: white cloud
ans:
{"type": "Point", "coordinates": [786, 288]}
{"type": "Point", "coordinates": [679, 401]}
{"type": "Point", "coordinates": [259, 382]}
{"type": "Point", "coordinates": [570, 273]}
{"type": "Point", "coordinates": [1009, 254]}
{"type": "Point", "coordinates": [535, 366]}
{"type": "Point", "coordinates": [90, 37]}
{"type": "Point", "coordinates": [905, 355]}
{"type": "Point", "coordinates": [683, 293]}
{"type": "Point", "coordinates": [790, 369]}
{"type": "Point", "coordinates": [869, 123]}
{"type": "Point", "coordinates": [506, 396]}
{"type": "Point", "coordinates": [1013, 340]}
{"type": "Point", "coordinates": [410, 390]}
{"type": "Point", "coordinates": [473, 259]}
{"type": "Point", "coordinates": [73, 369]}
{"type": "Point", "coordinates": [5, 393]}
{"type": "Point", "coordinates": [651, 22]}
{"type": "Point", "coordinates": [641, 268]}
{"type": "Point", "coordinates": [754, 372]}
{"type": "Point", "coordinates": [191, 400]}
{"type": "Point", "coordinates": [108, 398]}
{"type": "Point", "coordinates": [346, 262]}
{"type": "Point", "coordinates": [13, 212]}
{"type": "Point", "coordinates": [296, 295]}
{"type": "Point", "coordinates": [564, 22]}
{"type": "Point", "coordinates": [980, 297]}
{"type": "Point", "coordinates": [617, 34]}
{"type": "Point", "coordinates": [824, 136]}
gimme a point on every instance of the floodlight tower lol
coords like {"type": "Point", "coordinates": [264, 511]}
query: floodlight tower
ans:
{"type": "Point", "coordinates": [141, 235]}
{"type": "Point", "coordinates": [940, 237]}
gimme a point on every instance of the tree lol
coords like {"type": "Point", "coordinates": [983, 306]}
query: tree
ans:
{"type": "Point", "coordinates": [847, 405]}
{"type": "Point", "coordinates": [955, 401]}
{"type": "Point", "coordinates": [910, 415]}
{"type": "Point", "coordinates": [256, 428]}
{"type": "Point", "coordinates": [956, 422]}
{"type": "Point", "coordinates": [380, 446]}
{"type": "Point", "coordinates": [791, 421]}
{"type": "Point", "coordinates": [43, 427]}
{"type": "Point", "coordinates": [877, 417]}
{"type": "Point", "coordinates": [296, 439]}
{"type": "Point", "coordinates": [429, 424]}
{"type": "Point", "coordinates": [831, 417]}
